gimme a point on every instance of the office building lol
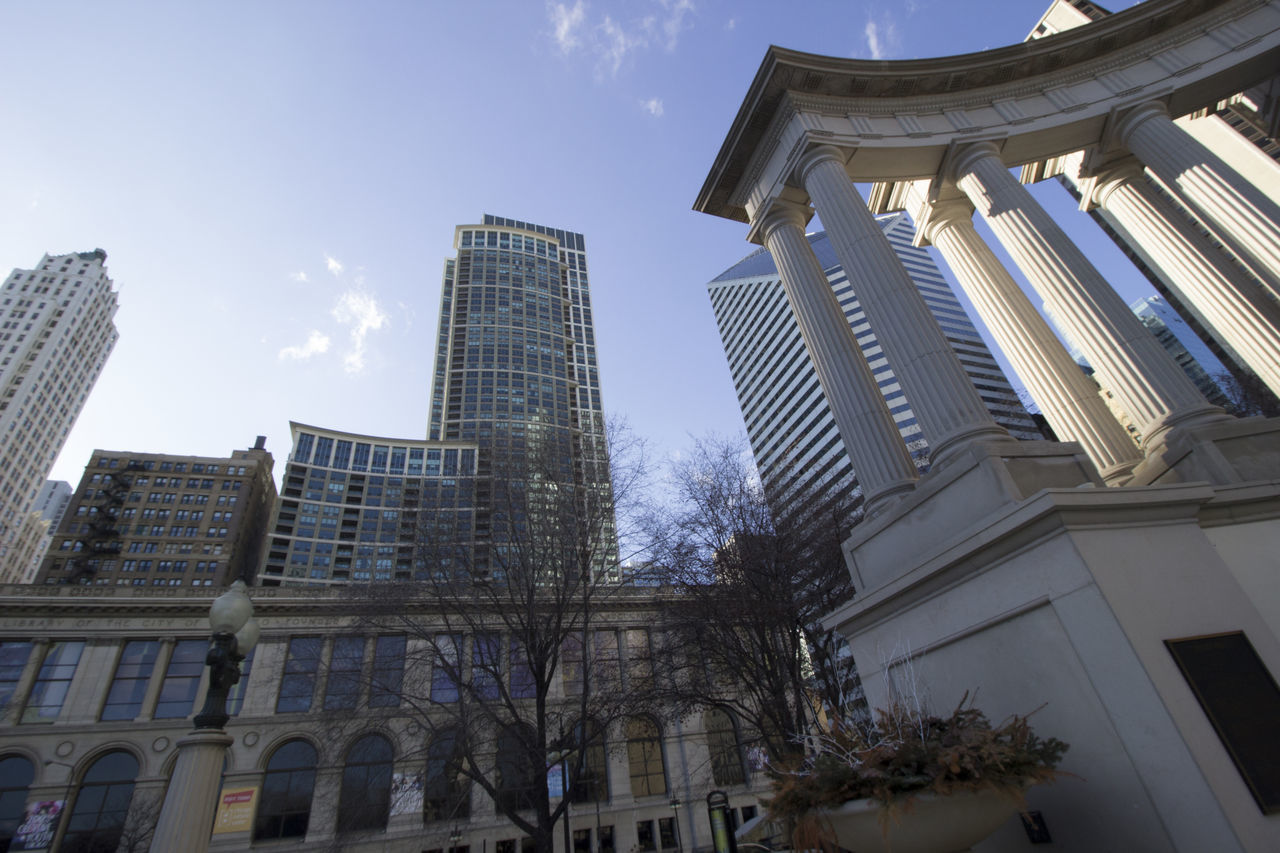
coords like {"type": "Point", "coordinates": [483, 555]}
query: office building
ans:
{"type": "Point", "coordinates": [353, 506]}
{"type": "Point", "coordinates": [56, 332]}
{"type": "Point", "coordinates": [36, 532]}
{"type": "Point", "coordinates": [793, 434]}
{"type": "Point", "coordinates": [151, 519]}
{"type": "Point", "coordinates": [516, 370]}
{"type": "Point", "coordinates": [1180, 341]}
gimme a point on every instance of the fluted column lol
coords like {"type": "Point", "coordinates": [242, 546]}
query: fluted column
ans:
{"type": "Point", "coordinates": [1233, 304]}
{"type": "Point", "coordinates": [1146, 381]}
{"type": "Point", "coordinates": [1068, 397]}
{"type": "Point", "coordinates": [876, 449]}
{"type": "Point", "coordinates": [941, 394]}
{"type": "Point", "coordinates": [1244, 218]}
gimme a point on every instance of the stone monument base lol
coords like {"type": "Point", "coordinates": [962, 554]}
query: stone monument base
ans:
{"type": "Point", "coordinates": [1011, 574]}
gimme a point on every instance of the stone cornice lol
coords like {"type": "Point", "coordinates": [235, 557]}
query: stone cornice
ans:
{"type": "Point", "coordinates": [791, 83]}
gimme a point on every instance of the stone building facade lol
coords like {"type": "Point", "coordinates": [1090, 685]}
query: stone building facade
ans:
{"type": "Point", "coordinates": [97, 686]}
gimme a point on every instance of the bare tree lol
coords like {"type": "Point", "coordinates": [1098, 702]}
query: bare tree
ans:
{"type": "Point", "coordinates": [744, 631]}
{"type": "Point", "coordinates": [510, 661]}
{"type": "Point", "coordinates": [1247, 395]}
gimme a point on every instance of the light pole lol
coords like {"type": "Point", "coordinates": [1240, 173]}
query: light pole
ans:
{"type": "Point", "coordinates": [186, 818]}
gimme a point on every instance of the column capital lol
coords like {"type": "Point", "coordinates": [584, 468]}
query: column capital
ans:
{"type": "Point", "coordinates": [1123, 124]}
{"type": "Point", "coordinates": [964, 156]}
{"type": "Point", "coordinates": [776, 215]}
{"type": "Point", "coordinates": [940, 215]}
{"type": "Point", "coordinates": [819, 154]}
{"type": "Point", "coordinates": [1097, 188]}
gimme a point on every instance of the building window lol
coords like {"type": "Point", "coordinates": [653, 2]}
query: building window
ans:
{"type": "Point", "coordinates": [51, 685]}
{"type": "Point", "coordinates": [133, 673]}
{"type": "Point", "coordinates": [522, 684]}
{"type": "Point", "coordinates": [365, 801]}
{"type": "Point", "coordinates": [445, 675]}
{"type": "Point", "coordinates": [16, 774]}
{"type": "Point", "coordinates": [388, 672]}
{"type": "Point", "coordinates": [447, 794]}
{"type": "Point", "coordinates": [235, 697]}
{"type": "Point", "coordinates": [486, 665]}
{"type": "Point", "coordinates": [343, 687]}
{"type": "Point", "coordinates": [285, 807]}
{"type": "Point", "coordinates": [590, 782]}
{"type": "Point", "coordinates": [517, 777]}
{"type": "Point", "coordinates": [181, 679]}
{"type": "Point", "coordinates": [726, 752]}
{"type": "Point", "coordinates": [13, 660]}
{"type": "Point", "coordinates": [102, 803]}
{"type": "Point", "coordinates": [644, 755]}
{"type": "Point", "coordinates": [298, 684]}
{"type": "Point", "coordinates": [645, 839]}
{"type": "Point", "coordinates": [667, 833]}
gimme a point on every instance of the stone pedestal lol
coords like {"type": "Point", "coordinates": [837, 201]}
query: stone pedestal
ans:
{"type": "Point", "coordinates": [1232, 451]}
{"type": "Point", "coordinates": [186, 819]}
{"type": "Point", "coordinates": [1061, 600]}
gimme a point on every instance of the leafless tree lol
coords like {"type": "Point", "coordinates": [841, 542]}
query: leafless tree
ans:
{"type": "Point", "coordinates": [744, 633]}
{"type": "Point", "coordinates": [510, 663]}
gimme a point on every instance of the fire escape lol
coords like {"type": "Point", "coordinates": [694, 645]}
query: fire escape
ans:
{"type": "Point", "coordinates": [101, 535]}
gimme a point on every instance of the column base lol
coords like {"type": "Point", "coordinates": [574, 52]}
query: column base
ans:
{"type": "Point", "coordinates": [949, 503]}
{"type": "Point", "coordinates": [1222, 452]}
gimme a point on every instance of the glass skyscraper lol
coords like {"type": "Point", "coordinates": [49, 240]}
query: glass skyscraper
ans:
{"type": "Point", "coordinates": [793, 435]}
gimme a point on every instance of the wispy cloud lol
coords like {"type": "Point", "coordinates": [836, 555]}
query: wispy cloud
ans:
{"type": "Point", "coordinates": [566, 24]}
{"type": "Point", "coordinates": [882, 37]}
{"type": "Point", "coordinates": [333, 265]}
{"type": "Point", "coordinates": [360, 310]}
{"type": "Point", "coordinates": [299, 276]}
{"type": "Point", "coordinates": [317, 343]}
{"type": "Point", "coordinates": [653, 106]}
{"type": "Point", "coordinates": [612, 41]}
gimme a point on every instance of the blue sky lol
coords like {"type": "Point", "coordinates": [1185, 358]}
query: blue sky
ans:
{"type": "Point", "coordinates": [277, 185]}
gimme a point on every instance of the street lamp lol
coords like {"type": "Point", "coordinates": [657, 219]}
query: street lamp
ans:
{"type": "Point", "coordinates": [192, 797]}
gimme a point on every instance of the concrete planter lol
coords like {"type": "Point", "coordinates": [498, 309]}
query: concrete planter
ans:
{"type": "Point", "coordinates": [927, 824]}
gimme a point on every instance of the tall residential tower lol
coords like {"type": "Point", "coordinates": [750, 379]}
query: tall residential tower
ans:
{"type": "Point", "coordinates": [56, 331]}
{"type": "Point", "coordinates": [793, 435]}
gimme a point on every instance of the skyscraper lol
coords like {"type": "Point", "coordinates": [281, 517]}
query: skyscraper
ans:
{"type": "Point", "coordinates": [56, 331]}
{"type": "Point", "coordinates": [793, 435]}
{"type": "Point", "coordinates": [516, 367]}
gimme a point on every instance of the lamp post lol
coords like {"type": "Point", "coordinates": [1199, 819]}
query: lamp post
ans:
{"type": "Point", "coordinates": [192, 798]}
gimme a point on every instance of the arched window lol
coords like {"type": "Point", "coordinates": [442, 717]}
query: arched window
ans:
{"type": "Point", "coordinates": [518, 776]}
{"type": "Point", "coordinates": [644, 754]}
{"type": "Point", "coordinates": [365, 802]}
{"type": "Point", "coordinates": [16, 774]}
{"type": "Point", "coordinates": [102, 803]}
{"type": "Point", "coordinates": [591, 783]}
{"type": "Point", "coordinates": [285, 806]}
{"type": "Point", "coordinates": [448, 793]}
{"type": "Point", "coordinates": [726, 752]}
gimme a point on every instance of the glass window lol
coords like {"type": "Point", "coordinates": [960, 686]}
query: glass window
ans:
{"type": "Point", "coordinates": [324, 447]}
{"type": "Point", "coordinates": [667, 832]}
{"type": "Point", "coordinates": [285, 807]}
{"type": "Point", "coordinates": [343, 687]}
{"type": "Point", "coordinates": [639, 660]}
{"type": "Point", "coordinates": [298, 684]}
{"type": "Point", "coordinates": [365, 801]}
{"type": "Point", "coordinates": [51, 685]}
{"type": "Point", "coordinates": [102, 802]}
{"type": "Point", "coordinates": [644, 755]}
{"type": "Point", "coordinates": [182, 679]}
{"type": "Point", "coordinates": [486, 666]}
{"type": "Point", "coordinates": [571, 664]}
{"type": "Point", "coordinates": [16, 774]}
{"type": "Point", "coordinates": [388, 672]}
{"type": "Point", "coordinates": [522, 685]}
{"type": "Point", "coordinates": [444, 674]}
{"type": "Point", "coordinates": [13, 660]}
{"type": "Point", "coordinates": [342, 454]}
{"type": "Point", "coordinates": [591, 782]}
{"type": "Point", "coordinates": [302, 453]}
{"type": "Point", "coordinates": [726, 753]}
{"type": "Point", "coordinates": [361, 461]}
{"type": "Point", "coordinates": [645, 839]}
{"type": "Point", "coordinates": [133, 673]}
{"type": "Point", "coordinates": [606, 672]}
{"type": "Point", "coordinates": [235, 696]}
{"type": "Point", "coordinates": [517, 775]}
{"type": "Point", "coordinates": [448, 794]}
